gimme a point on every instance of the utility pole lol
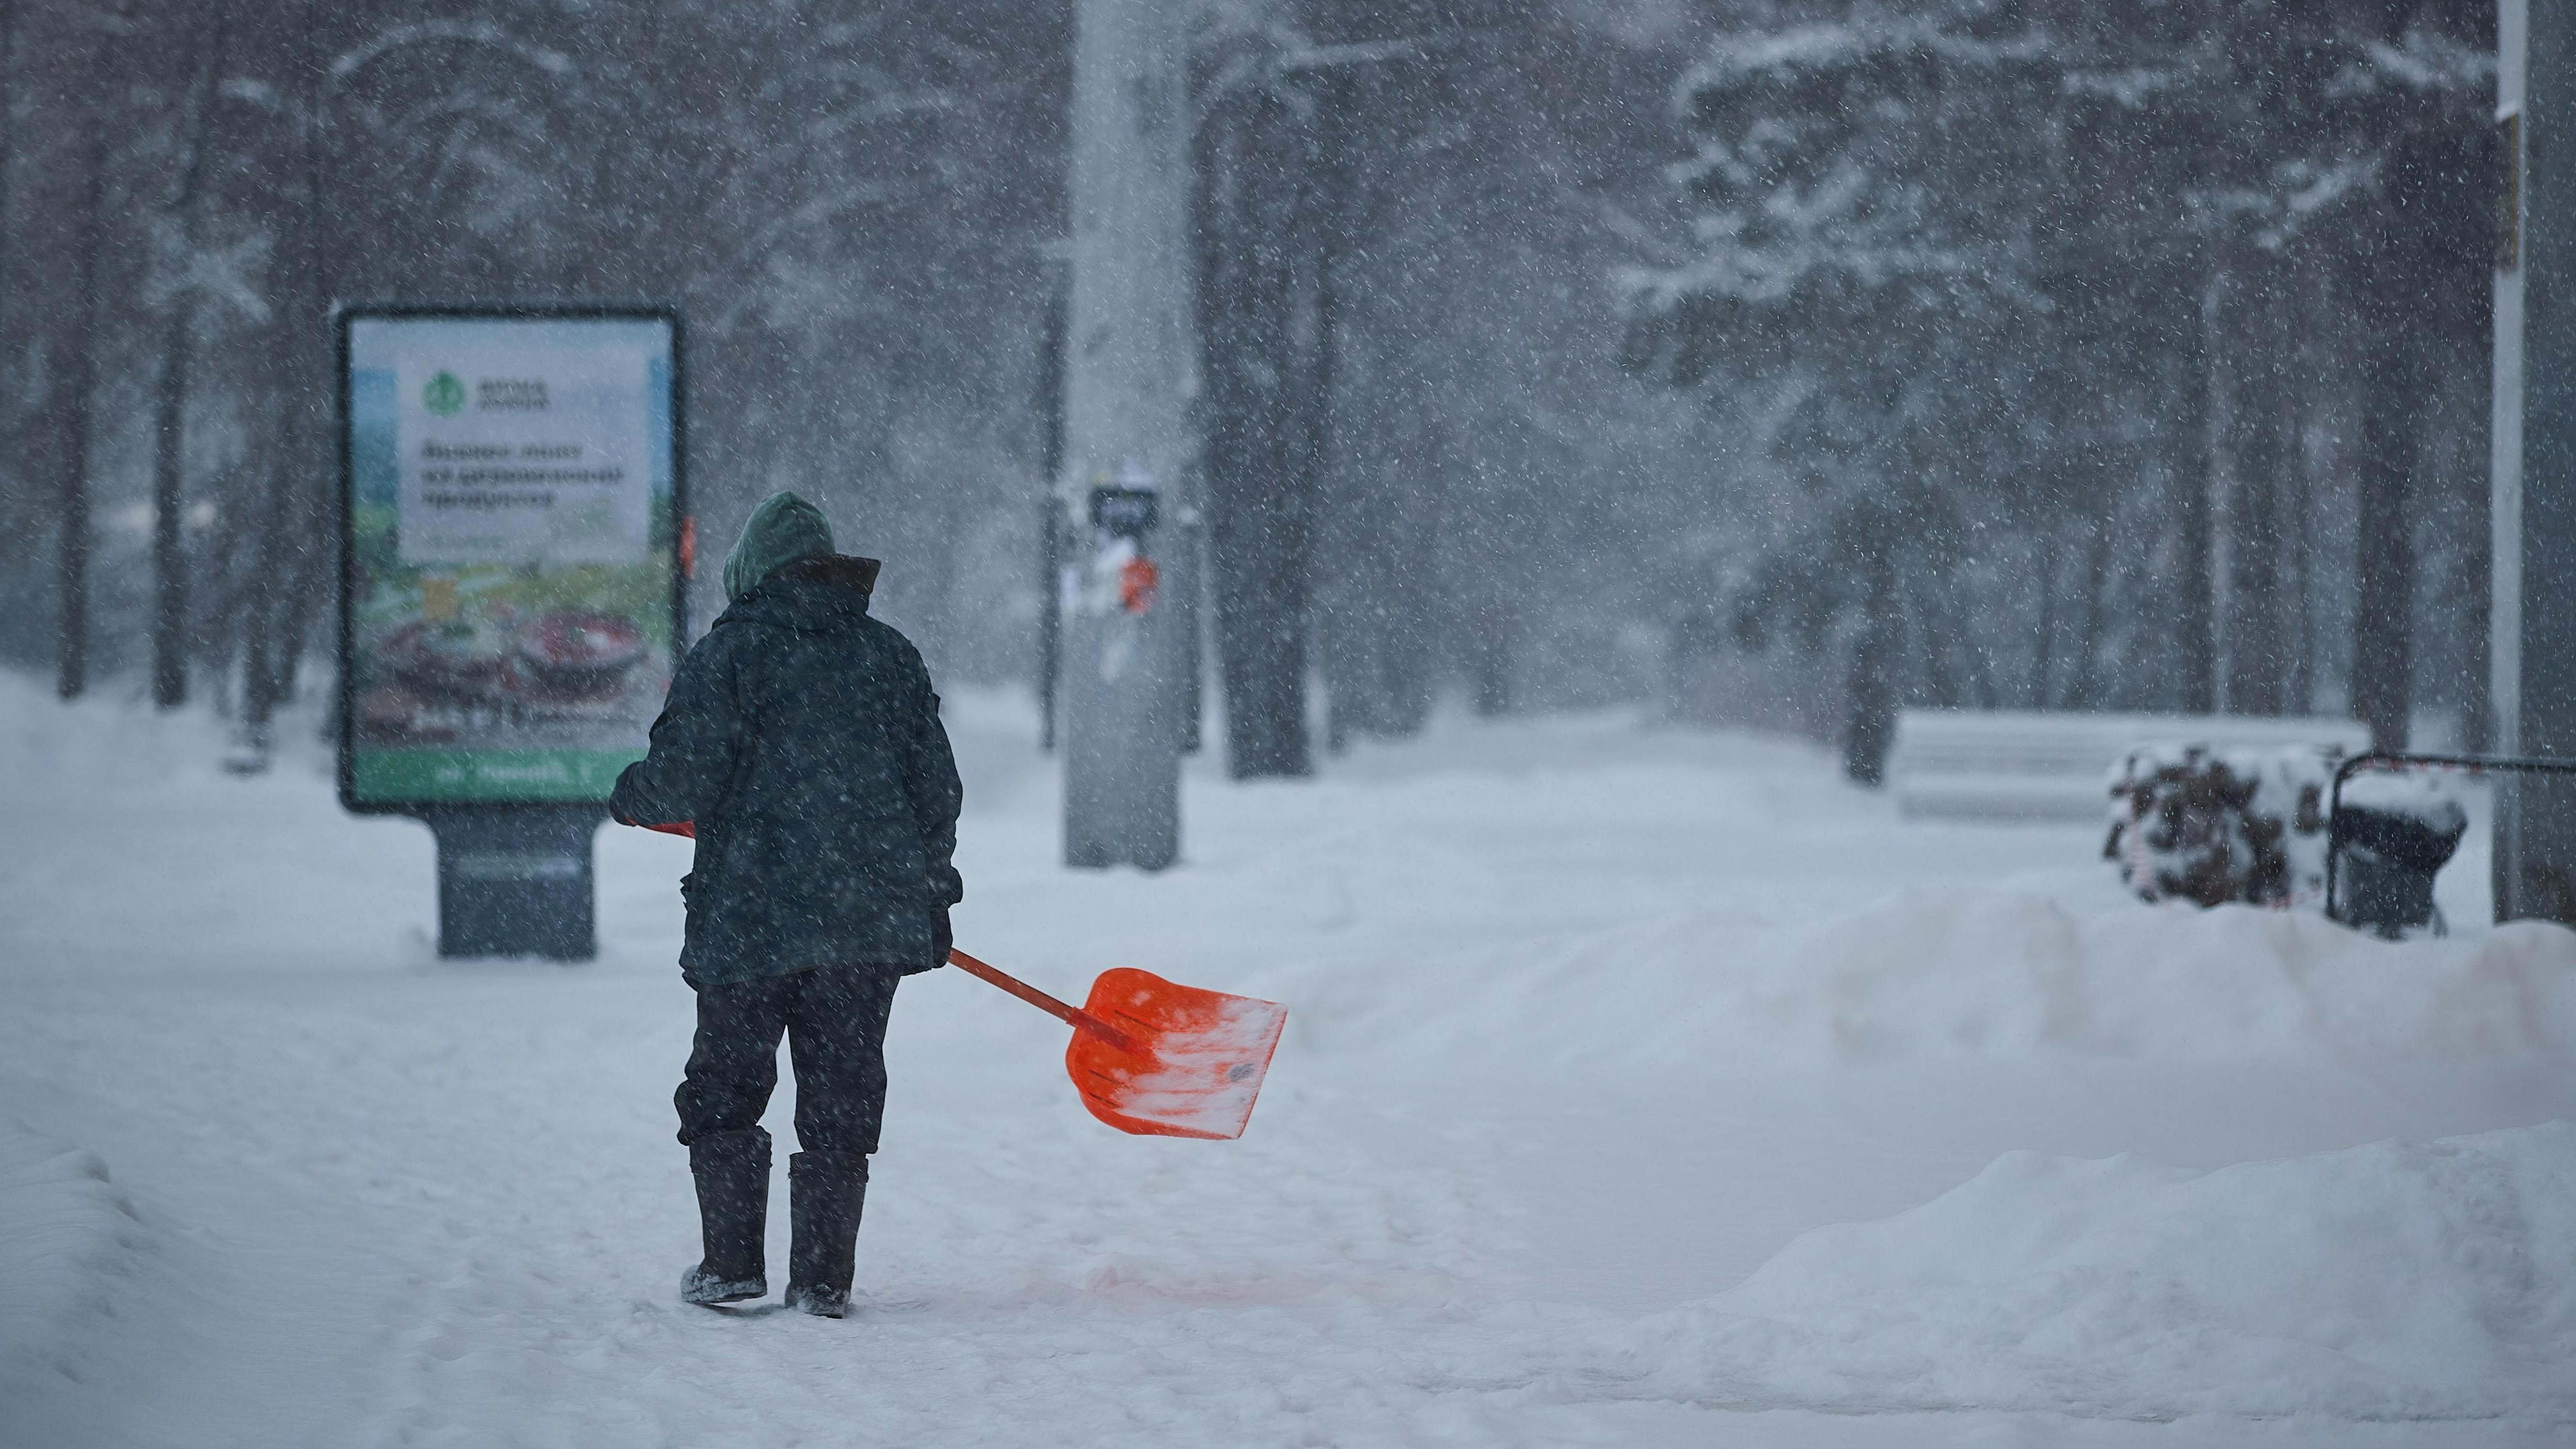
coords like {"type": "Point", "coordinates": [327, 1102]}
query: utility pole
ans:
{"type": "Point", "coordinates": [2534, 479]}
{"type": "Point", "coordinates": [1128, 578]}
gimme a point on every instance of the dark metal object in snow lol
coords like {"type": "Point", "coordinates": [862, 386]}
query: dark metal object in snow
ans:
{"type": "Point", "coordinates": [2380, 863]}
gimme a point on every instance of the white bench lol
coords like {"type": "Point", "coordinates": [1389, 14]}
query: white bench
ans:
{"type": "Point", "coordinates": [2053, 764]}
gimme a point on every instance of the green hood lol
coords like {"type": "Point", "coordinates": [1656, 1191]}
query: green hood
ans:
{"type": "Point", "coordinates": [783, 529]}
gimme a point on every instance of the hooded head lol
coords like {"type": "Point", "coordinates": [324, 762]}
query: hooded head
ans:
{"type": "Point", "coordinates": [783, 529]}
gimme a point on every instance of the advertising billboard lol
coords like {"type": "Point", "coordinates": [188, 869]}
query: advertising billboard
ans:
{"type": "Point", "coordinates": [514, 552]}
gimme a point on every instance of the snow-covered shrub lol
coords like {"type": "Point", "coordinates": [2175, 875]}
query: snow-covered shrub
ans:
{"type": "Point", "coordinates": [2213, 826]}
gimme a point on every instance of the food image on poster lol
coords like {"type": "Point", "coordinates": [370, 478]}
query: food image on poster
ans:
{"type": "Point", "coordinates": [513, 555]}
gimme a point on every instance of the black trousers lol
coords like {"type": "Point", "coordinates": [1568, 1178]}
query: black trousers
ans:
{"type": "Point", "coordinates": [834, 1018]}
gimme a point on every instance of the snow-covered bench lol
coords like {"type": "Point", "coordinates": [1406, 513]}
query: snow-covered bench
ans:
{"type": "Point", "coordinates": [2051, 765]}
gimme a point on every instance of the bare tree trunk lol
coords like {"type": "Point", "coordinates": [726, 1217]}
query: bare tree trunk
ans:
{"type": "Point", "coordinates": [287, 535]}
{"type": "Point", "coordinates": [2419, 280]}
{"type": "Point", "coordinates": [56, 148]}
{"type": "Point", "coordinates": [9, 136]}
{"type": "Point", "coordinates": [77, 347]}
{"type": "Point", "coordinates": [1869, 689]}
{"type": "Point", "coordinates": [299, 550]}
{"type": "Point", "coordinates": [2050, 571]}
{"type": "Point", "coordinates": [2083, 685]}
{"type": "Point", "coordinates": [2260, 453]}
{"type": "Point", "coordinates": [2477, 583]}
{"type": "Point", "coordinates": [169, 557]}
{"type": "Point", "coordinates": [1266, 329]}
{"type": "Point", "coordinates": [2384, 547]}
{"type": "Point", "coordinates": [2195, 645]}
{"type": "Point", "coordinates": [2311, 457]}
{"type": "Point", "coordinates": [1959, 637]}
{"type": "Point", "coordinates": [1050, 406]}
{"type": "Point", "coordinates": [170, 395]}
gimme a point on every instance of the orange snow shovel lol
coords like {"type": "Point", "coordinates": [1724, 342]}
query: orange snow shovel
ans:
{"type": "Point", "coordinates": [1150, 1056]}
{"type": "Point", "coordinates": [1156, 1058]}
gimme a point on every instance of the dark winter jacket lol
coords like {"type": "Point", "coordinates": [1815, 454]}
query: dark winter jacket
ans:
{"type": "Point", "coordinates": [803, 739]}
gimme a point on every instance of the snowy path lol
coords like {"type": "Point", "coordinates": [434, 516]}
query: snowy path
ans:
{"type": "Point", "coordinates": [1568, 1061]}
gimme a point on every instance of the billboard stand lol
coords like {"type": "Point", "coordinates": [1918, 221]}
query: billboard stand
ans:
{"type": "Point", "coordinates": [515, 551]}
{"type": "Point", "coordinates": [515, 880]}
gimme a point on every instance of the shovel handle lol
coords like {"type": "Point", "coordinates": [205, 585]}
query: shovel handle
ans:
{"type": "Point", "coordinates": [1072, 1016]}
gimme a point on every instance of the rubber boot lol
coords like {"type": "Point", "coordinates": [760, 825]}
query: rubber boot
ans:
{"type": "Point", "coordinates": [732, 1169]}
{"type": "Point", "coordinates": [825, 1191]}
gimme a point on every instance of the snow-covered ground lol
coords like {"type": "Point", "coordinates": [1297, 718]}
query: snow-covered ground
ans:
{"type": "Point", "coordinates": [1643, 1086]}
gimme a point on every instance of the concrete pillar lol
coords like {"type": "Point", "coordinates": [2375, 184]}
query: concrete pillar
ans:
{"type": "Point", "coordinates": [2534, 503]}
{"type": "Point", "coordinates": [1128, 576]}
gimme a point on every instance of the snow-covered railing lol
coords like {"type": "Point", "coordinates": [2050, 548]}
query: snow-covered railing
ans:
{"type": "Point", "coordinates": [2054, 764]}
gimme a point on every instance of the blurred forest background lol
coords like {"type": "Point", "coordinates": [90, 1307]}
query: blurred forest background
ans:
{"type": "Point", "coordinates": [1775, 363]}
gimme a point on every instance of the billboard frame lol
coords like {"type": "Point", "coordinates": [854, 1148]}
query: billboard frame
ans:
{"type": "Point", "coordinates": [343, 316]}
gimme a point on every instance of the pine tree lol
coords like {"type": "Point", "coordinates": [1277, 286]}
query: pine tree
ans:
{"type": "Point", "coordinates": [1868, 201]}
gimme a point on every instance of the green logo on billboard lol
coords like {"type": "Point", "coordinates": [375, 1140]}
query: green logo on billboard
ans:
{"type": "Point", "coordinates": [443, 395]}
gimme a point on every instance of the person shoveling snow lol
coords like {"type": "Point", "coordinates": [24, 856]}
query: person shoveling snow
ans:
{"type": "Point", "coordinates": [801, 746]}
{"type": "Point", "coordinates": [802, 743]}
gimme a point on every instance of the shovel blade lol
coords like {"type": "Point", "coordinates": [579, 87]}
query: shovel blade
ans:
{"type": "Point", "coordinates": [1198, 1060]}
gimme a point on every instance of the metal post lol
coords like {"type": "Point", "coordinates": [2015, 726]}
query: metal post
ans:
{"type": "Point", "coordinates": [1128, 648]}
{"type": "Point", "coordinates": [2534, 502]}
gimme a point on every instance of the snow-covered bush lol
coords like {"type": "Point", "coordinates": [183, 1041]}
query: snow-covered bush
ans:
{"type": "Point", "coordinates": [2213, 826]}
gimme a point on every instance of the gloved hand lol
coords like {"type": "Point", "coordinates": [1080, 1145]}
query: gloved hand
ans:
{"type": "Point", "coordinates": [942, 939]}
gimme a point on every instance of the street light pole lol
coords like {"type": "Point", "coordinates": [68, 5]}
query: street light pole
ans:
{"type": "Point", "coordinates": [2534, 473]}
{"type": "Point", "coordinates": [1127, 580]}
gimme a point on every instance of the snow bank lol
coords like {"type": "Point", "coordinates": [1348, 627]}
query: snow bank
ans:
{"type": "Point", "coordinates": [2390, 1281]}
{"type": "Point", "coordinates": [70, 1250]}
{"type": "Point", "coordinates": [1975, 973]}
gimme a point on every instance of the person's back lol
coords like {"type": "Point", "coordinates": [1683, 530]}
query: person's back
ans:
{"type": "Point", "coordinates": [819, 780]}
{"type": "Point", "coordinates": [802, 741]}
